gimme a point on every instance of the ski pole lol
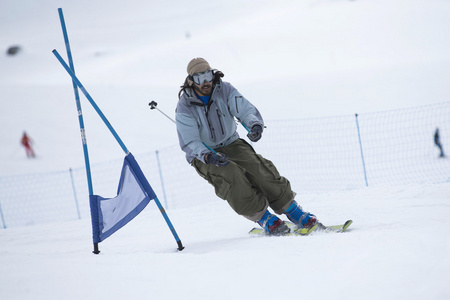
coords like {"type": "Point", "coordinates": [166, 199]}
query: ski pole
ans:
{"type": "Point", "coordinates": [246, 128]}
{"type": "Point", "coordinates": [153, 105]}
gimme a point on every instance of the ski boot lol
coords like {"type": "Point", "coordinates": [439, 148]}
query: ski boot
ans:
{"type": "Point", "coordinates": [272, 224]}
{"type": "Point", "coordinates": [301, 218]}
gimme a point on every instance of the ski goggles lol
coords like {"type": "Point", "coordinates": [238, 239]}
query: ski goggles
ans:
{"type": "Point", "coordinates": [200, 78]}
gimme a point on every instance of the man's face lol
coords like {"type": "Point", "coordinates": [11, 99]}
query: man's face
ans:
{"type": "Point", "coordinates": [203, 82]}
{"type": "Point", "coordinates": [204, 89]}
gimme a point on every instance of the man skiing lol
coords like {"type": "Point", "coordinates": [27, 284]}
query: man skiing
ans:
{"type": "Point", "coordinates": [437, 142]}
{"type": "Point", "coordinates": [205, 119]}
{"type": "Point", "coordinates": [26, 143]}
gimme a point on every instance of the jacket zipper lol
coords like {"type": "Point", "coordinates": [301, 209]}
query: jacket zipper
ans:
{"type": "Point", "coordinates": [220, 122]}
{"type": "Point", "coordinates": [211, 129]}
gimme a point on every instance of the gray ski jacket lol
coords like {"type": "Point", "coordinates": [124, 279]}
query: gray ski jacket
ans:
{"type": "Point", "coordinates": [212, 125]}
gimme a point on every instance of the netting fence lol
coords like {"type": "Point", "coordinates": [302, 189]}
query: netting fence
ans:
{"type": "Point", "coordinates": [317, 155]}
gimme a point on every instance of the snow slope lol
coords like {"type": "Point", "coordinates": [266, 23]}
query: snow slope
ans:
{"type": "Point", "coordinates": [292, 59]}
{"type": "Point", "coordinates": [397, 248]}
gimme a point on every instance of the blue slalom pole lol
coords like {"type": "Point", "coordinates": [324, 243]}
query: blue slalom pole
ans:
{"type": "Point", "coordinates": [77, 100]}
{"type": "Point", "coordinates": [116, 136]}
{"type": "Point", "coordinates": [80, 115]}
{"type": "Point", "coordinates": [122, 145]}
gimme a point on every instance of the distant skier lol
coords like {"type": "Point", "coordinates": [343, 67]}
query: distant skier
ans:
{"type": "Point", "coordinates": [26, 142]}
{"type": "Point", "coordinates": [437, 142]}
{"type": "Point", "coordinates": [205, 119]}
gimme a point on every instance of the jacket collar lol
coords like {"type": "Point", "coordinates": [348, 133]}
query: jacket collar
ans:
{"type": "Point", "coordinates": [191, 98]}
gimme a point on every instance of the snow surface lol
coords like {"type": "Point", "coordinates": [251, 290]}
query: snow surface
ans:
{"type": "Point", "coordinates": [292, 59]}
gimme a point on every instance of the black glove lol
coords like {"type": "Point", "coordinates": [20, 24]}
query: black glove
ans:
{"type": "Point", "coordinates": [255, 134]}
{"type": "Point", "coordinates": [218, 159]}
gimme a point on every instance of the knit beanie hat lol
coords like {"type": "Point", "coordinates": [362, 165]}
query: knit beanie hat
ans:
{"type": "Point", "coordinates": [197, 65]}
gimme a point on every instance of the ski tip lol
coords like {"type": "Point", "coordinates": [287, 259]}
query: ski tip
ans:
{"type": "Point", "coordinates": [255, 231]}
{"type": "Point", "coordinates": [346, 225]}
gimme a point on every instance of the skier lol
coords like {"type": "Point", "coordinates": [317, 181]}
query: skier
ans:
{"type": "Point", "coordinates": [437, 142]}
{"type": "Point", "coordinates": [207, 134]}
{"type": "Point", "coordinates": [26, 142]}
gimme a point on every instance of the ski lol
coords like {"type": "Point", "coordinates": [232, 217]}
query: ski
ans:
{"type": "Point", "coordinates": [305, 231]}
{"type": "Point", "coordinates": [257, 231]}
{"type": "Point", "coordinates": [335, 228]}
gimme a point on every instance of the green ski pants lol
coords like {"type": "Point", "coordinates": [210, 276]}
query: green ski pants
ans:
{"type": "Point", "coordinates": [249, 183]}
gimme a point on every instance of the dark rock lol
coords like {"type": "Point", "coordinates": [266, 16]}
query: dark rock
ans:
{"type": "Point", "coordinates": [13, 50]}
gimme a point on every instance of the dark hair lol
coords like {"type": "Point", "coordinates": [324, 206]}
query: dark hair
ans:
{"type": "Point", "coordinates": [188, 82]}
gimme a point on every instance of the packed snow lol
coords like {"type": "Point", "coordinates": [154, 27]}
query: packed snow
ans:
{"type": "Point", "coordinates": [292, 59]}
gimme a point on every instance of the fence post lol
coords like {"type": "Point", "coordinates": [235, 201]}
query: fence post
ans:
{"type": "Point", "coordinates": [162, 180]}
{"type": "Point", "coordinates": [362, 154]}
{"type": "Point", "coordinates": [3, 219]}
{"type": "Point", "coordinates": [74, 193]}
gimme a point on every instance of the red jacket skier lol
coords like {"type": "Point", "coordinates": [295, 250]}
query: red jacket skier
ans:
{"type": "Point", "coordinates": [26, 142]}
